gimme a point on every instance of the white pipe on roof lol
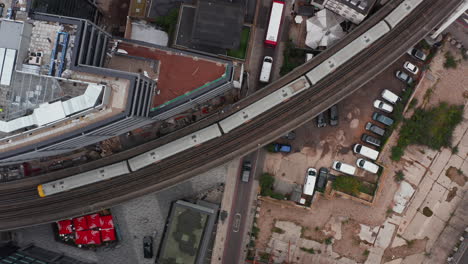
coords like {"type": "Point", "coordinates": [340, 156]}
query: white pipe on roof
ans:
{"type": "Point", "coordinates": [52, 112]}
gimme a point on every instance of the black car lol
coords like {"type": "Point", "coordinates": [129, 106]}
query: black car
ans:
{"type": "Point", "coordinates": [371, 140]}
{"type": "Point", "coordinates": [321, 122]}
{"type": "Point", "coordinates": [334, 115]}
{"type": "Point", "coordinates": [322, 178]}
{"type": "Point", "coordinates": [148, 247]}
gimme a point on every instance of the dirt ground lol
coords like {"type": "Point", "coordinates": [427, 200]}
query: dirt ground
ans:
{"type": "Point", "coordinates": [317, 147]}
{"type": "Point", "coordinates": [350, 245]}
{"type": "Point", "coordinates": [412, 247]}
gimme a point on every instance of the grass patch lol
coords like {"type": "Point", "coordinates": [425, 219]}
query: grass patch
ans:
{"type": "Point", "coordinates": [277, 230]}
{"type": "Point", "coordinates": [292, 58]}
{"type": "Point", "coordinates": [399, 176]}
{"type": "Point", "coordinates": [366, 252]}
{"type": "Point", "coordinates": [347, 184]}
{"type": "Point", "coordinates": [266, 184]}
{"type": "Point", "coordinates": [432, 128]}
{"type": "Point", "coordinates": [244, 42]}
{"type": "Point", "coordinates": [264, 256]}
{"type": "Point", "coordinates": [308, 250]}
{"type": "Point", "coordinates": [168, 22]}
{"type": "Point", "coordinates": [367, 188]}
{"type": "Point", "coordinates": [450, 62]}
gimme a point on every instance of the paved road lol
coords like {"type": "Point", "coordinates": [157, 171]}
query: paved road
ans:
{"type": "Point", "coordinates": [238, 222]}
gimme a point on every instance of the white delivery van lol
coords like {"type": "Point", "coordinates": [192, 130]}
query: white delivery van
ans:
{"type": "Point", "coordinates": [343, 167]}
{"type": "Point", "coordinates": [366, 151]}
{"type": "Point", "coordinates": [266, 69]}
{"type": "Point", "coordinates": [390, 97]}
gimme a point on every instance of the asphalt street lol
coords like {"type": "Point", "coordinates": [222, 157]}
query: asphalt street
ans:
{"type": "Point", "coordinates": [234, 247]}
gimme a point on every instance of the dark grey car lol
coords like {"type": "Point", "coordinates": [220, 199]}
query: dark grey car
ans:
{"type": "Point", "coordinates": [321, 122]}
{"type": "Point", "coordinates": [382, 119]}
{"type": "Point", "coordinates": [334, 116]}
{"type": "Point", "coordinates": [322, 178]}
{"type": "Point", "coordinates": [371, 140]}
{"type": "Point", "coordinates": [375, 129]}
{"type": "Point", "coordinates": [148, 246]}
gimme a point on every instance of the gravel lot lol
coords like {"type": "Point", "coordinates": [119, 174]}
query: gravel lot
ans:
{"type": "Point", "coordinates": [134, 219]}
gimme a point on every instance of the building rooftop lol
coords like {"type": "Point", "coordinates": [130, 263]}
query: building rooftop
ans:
{"type": "Point", "coordinates": [179, 73]}
{"type": "Point", "coordinates": [218, 23]}
{"type": "Point", "coordinates": [188, 233]}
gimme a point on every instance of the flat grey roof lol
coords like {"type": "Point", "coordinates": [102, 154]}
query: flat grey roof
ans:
{"type": "Point", "coordinates": [218, 24]}
{"type": "Point", "coordinates": [14, 32]}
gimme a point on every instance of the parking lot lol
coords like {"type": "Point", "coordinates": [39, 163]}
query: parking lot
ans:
{"type": "Point", "coordinates": [319, 147]}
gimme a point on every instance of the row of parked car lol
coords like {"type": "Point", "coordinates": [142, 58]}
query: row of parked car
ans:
{"type": "Point", "coordinates": [410, 67]}
{"type": "Point", "coordinates": [385, 105]}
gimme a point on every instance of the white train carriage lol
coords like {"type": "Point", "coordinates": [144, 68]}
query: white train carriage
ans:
{"type": "Point", "coordinates": [82, 179]}
{"type": "Point", "coordinates": [174, 147]}
{"type": "Point", "coordinates": [402, 11]}
{"type": "Point", "coordinates": [348, 52]}
{"type": "Point", "coordinates": [264, 104]}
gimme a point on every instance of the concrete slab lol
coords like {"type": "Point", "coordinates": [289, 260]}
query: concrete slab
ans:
{"type": "Point", "coordinates": [420, 154]}
{"type": "Point", "coordinates": [414, 173]}
{"type": "Point", "coordinates": [463, 144]}
{"type": "Point", "coordinates": [464, 167]}
{"type": "Point", "coordinates": [367, 234]}
{"type": "Point", "coordinates": [402, 196]}
{"type": "Point", "coordinates": [435, 196]}
{"type": "Point", "coordinates": [445, 209]}
{"type": "Point", "coordinates": [414, 259]}
{"type": "Point", "coordinates": [454, 161]}
{"type": "Point", "coordinates": [397, 241]}
{"type": "Point", "coordinates": [432, 231]}
{"type": "Point", "coordinates": [395, 219]}
{"type": "Point", "coordinates": [439, 163]}
{"type": "Point", "coordinates": [375, 255]}
{"type": "Point", "coordinates": [384, 237]}
{"type": "Point", "coordinates": [344, 260]}
{"type": "Point", "coordinates": [395, 261]}
{"type": "Point", "coordinates": [417, 224]}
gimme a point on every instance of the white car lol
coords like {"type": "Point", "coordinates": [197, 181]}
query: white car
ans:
{"type": "Point", "coordinates": [367, 165]}
{"type": "Point", "coordinates": [383, 106]}
{"type": "Point", "coordinates": [390, 97]}
{"type": "Point", "coordinates": [344, 168]}
{"type": "Point", "coordinates": [411, 67]}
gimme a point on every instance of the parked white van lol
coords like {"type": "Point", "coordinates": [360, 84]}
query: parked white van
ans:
{"type": "Point", "coordinates": [390, 97]}
{"type": "Point", "coordinates": [344, 168]}
{"type": "Point", "coordinates": [367, 165]}
{"type": "Point", "coordinates": [366, 151]}
{"type": "Point", "coordinates": [266, 69]}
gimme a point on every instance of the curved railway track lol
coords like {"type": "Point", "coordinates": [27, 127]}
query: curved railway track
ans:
{"type": "Point", "coordinates": [22, 207]}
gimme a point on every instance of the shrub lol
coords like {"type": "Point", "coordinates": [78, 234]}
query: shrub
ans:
{"type": "Point", "coordinates": [169, 21]}
{"type": "Point", "coordinates": [399, 176]}
{"type": "Point", "coordinates": [427, 212]}
{"type": "Point", "coordinates": [450, 62]}
{"type": "Point", "coordinates": [276, 195]}
{"type": "Point", "coordinates": [347, 184]}
{"type": "Point", "coordinates": [255, 231]}
{"type": "Point", "coordinates": [277, 230]}
{"type": "Point", "coordinates": [270, 148]}
{"type": "Point", "coordinates": [366, 252]}
{"type": "Point", "coordinates": [432, 128]}
{"type": "Point", "coordinates": [413, 103]}
{"type": "Point", "coordinates": [308, 250]}
{"type": "Point", "coordinates": [455, 150]}
{"type": "Point", "coordinates": [328, 240]}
